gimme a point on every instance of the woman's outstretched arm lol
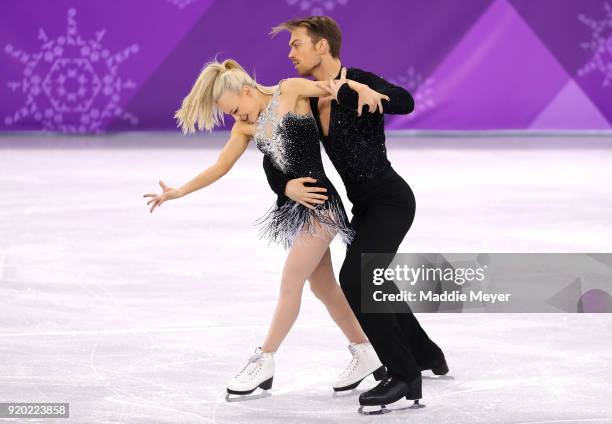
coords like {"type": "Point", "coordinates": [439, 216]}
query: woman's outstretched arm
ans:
{"type": "Point", "coordinates": [231, 152]}
{"type": "Point", "coordinates": [303, 87]}
{"type": "Point", "coordinates": [330, 89]}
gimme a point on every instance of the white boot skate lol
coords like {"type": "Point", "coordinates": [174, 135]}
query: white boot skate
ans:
{"type": "Point", "coordinates": [364, 362]}
{"type": "Point", "coordinates": [258, 372]}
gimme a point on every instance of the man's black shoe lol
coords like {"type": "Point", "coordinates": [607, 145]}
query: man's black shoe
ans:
{"type": "Point", "coordinates": [391, 389]}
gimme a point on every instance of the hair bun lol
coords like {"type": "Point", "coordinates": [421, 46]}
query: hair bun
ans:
{"type": "Point", "coordinates": [230, 64]}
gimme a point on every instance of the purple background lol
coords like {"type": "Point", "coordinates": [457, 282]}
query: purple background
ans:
{"type": "Point", "coordinates": [99, 66]}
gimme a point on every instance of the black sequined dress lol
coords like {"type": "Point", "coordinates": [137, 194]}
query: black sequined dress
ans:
{"type": "Point", "coordinates": [291, 142]}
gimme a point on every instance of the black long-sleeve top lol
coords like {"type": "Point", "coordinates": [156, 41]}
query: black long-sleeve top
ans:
{"type": "Point", "coordinates": [355, 144]}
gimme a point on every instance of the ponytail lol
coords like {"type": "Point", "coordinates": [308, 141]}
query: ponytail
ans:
{"type": "Point", "coordinates": [200, 105]}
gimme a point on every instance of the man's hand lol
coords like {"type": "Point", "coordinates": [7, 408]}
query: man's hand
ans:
{"type": "Point", "coordinates": [304, 195]}
{"type": "Point", "coordinates": [370, 98]}
{"type": "Point", "coordinates": [367, 97]}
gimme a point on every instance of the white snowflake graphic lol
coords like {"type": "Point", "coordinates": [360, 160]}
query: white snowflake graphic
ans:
{"type": "Point", "coordinates": [181, 4]}
{"type": "Point", "coordinates": [71, 85]}
{"type": "Point", "coordinates": [420, 88]}
{"type": "Point", "coordinates": [600, 46]}
{"type": "Point", "coordinates": [317, 7]}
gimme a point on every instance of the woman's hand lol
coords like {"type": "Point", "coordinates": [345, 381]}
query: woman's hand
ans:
{"type": "Point", "coordinates": [333, 86]}
{"type": "Point", "coordinates": [168, 194]}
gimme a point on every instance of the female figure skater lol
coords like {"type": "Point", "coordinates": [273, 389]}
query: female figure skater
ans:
{"type": "Point", "coordinates": [280, 121]}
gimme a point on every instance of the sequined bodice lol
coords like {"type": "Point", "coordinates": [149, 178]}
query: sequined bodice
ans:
{"type": "Point", "coordinates": [291, 140]}
{"type": "Point", "coordinates": [356, 147]}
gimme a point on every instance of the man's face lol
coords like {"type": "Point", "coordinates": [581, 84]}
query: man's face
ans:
{"type": "Point", "coordinates": [303, 53]}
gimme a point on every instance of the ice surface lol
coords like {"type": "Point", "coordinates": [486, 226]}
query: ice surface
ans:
{"type": "Point", "coordinates": [142, 318]}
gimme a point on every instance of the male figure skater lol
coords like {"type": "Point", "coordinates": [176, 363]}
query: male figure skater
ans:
{"type": "Point", "coordinates": [383, 203]}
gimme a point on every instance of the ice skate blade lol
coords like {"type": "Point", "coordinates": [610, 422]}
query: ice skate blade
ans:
{"type": "Point", "coordinates": [264, 385]}
{"type": "Point", "coordinates": [382, 409]}
{"type": "Point", "coordinates": [346, 393]}
{"type": "Point", "coordinates": [244, 398]}
{"type": "Point", "coordinates": [416, 405]}
{"type": "Point", "coordinates": [438, 377]}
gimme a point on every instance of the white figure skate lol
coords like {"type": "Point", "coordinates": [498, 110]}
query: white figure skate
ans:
{"type": "Point", "coordinates": [364, 362]}
{"type": "Point", "coordinates": [258, 372]}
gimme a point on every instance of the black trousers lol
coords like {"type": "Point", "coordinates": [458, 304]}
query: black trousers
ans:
{"type": "Point", "coordinates": [383, 211]}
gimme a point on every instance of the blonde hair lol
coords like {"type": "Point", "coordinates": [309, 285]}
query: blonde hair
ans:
{"type": "Point", "coordinates": [200, 105]}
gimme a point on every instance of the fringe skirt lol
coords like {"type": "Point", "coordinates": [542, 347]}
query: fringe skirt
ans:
{"type": "Point", "coordinates": [282, 223]}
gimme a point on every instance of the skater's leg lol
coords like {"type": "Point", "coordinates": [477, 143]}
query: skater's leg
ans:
{"type": "Point", "coordinates": [304, 256]}
{"type": "Point", "coordinates": [324, 286]}
{"type": "Point", "coordinates": [380, 230]}
{"type": "Point", "coordinates": [424, 349]}
{"type": "Point", "coordinates": [382, 329]}
{"type": "Point", "coordinates": [364, 360]}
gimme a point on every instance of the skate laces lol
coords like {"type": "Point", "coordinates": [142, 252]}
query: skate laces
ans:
{"type": "Point", "coordinates": [255, 357]}
{"type": "Point", "coordinates": [354, 361]}
{"type": "Point", "coordinates": [382, 385]}
{"type": "Point", "coordinates": [252, 365]}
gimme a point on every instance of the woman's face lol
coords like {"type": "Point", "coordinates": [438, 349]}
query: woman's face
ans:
{"type": "Point", "coordinates": [242, 106]}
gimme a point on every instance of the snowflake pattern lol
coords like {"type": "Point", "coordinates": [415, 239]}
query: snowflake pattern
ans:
{"type": "Point", "coordinates": [420, 88]}
{"type": "Point", "coordinates": [71, 85]}
{"type": "Point", "coordinates": [317, 7]}
{"type": "Point", "coordinates": [181, 4]}
{"type": "Point", "coordinates": [600, 46]}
